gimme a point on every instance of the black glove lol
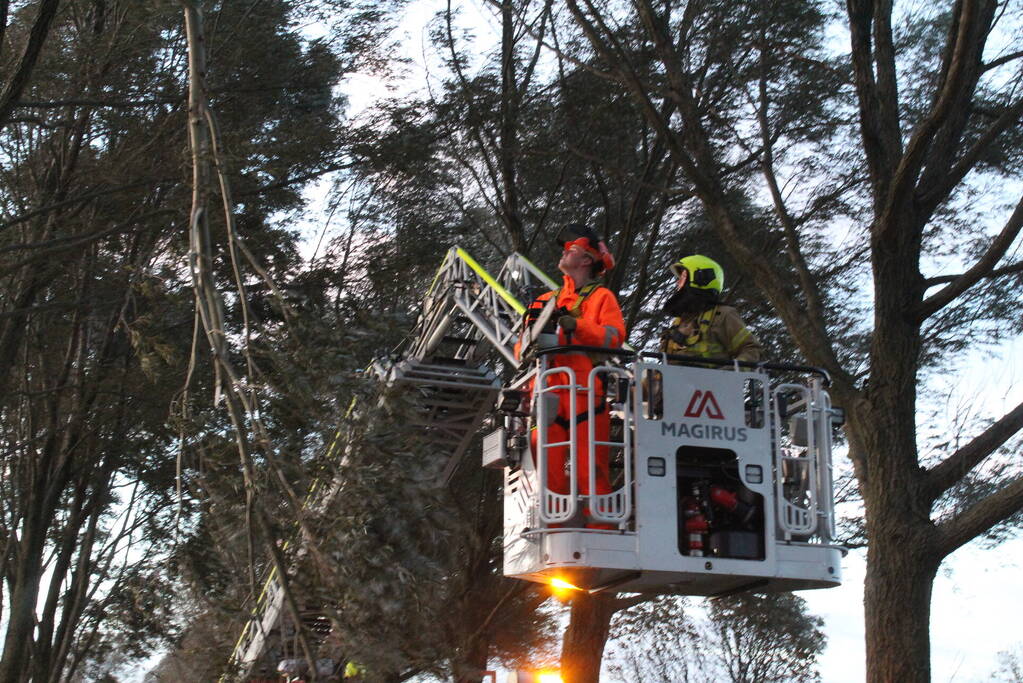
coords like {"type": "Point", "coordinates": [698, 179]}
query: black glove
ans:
{"type": "Point", "coordinates": [566, 321]}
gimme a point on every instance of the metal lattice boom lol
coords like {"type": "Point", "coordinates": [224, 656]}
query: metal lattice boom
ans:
{"type": "Point", "coordinates": [466, 331]}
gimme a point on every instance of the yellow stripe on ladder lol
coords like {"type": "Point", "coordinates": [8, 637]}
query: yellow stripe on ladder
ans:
{"type": "Point", "coordinates": [489, 279]}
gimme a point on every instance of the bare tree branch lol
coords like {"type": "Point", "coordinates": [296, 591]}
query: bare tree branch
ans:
{"type": "Point", "coordinates": [46, 250]}
{"type": "Point", "coordinates": [813, 298]}
{"type": "Point", "coordinates": [696, 156]}
{"type": "Point", "coordinates": [79, 199]}
{"type": "Point", "coordinates": [983, 267]}
{"type": "Point", "coordinates": [979, 517]}
{"type": "Point", "coordinates": [878, 117]}
{"type": "Point", "coordinates": [511, 98]}
{"type": "Point", "coordinates": [963, 55]}
{"type": "Point", "coordinates": [36, 39]}
{"type": "Point", "coordinates": [210, 304]}
{"type": "Point", "coordinates": [5, 7]}
{"type": "Point", "coordinates": [477, 132]}
{"type": "Point", "coordinates": [934, 195]}
{"type": "Point", "coordinates": [950, 471]}
{"type": "Point", "coordinates": [997, 272]}
{"type": "Point", "coordinates": [1004, 59]}
{"type": "Point", "coordinates": [86, 102]}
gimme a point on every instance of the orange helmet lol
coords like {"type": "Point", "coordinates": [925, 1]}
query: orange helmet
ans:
{"type": "Point", "coordinates": [577, 234]}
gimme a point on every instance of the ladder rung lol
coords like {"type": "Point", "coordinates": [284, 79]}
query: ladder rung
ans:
{"type": "Point", "coordinates": [447, 339]}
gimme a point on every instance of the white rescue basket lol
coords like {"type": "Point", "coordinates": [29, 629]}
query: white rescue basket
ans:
{"type": "Point", "coordinates": [721, 480]}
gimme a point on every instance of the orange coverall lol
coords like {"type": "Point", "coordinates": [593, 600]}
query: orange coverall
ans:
{"type": "Point", "coordinates": [599, 322]}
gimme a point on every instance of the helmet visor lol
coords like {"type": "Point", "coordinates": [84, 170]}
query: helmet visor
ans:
{"type": "Point", "coordinates": [572, 233]}
{"type": "Point", "coordinates": [582, 244]}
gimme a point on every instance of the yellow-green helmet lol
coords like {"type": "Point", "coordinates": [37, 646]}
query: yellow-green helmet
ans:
{"type": "Point", "coordinates": [704, 273]}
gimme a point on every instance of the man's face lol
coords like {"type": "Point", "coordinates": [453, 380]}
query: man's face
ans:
{"type": "Point", "coordinates": [574, 257]}
{"type": "Point", "coordinates": [683, 278]}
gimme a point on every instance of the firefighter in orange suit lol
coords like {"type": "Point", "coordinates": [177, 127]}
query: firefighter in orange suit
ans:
{"type": "Point", "coordinates": [587, 315]}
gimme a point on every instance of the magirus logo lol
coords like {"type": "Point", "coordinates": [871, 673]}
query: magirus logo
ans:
{"type": "Point", "coordinates": [703, 404]}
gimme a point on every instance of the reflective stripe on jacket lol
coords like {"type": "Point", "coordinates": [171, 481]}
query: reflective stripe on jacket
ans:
{"type": "Point", "coordinates": [720, 334]}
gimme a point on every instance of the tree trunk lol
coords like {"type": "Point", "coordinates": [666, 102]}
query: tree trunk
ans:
{"type": "Point", "coordinates": [24, 595]}
{"type": "Point", "coordinates": [473, 662]}
{"type": "Point", "coordinates": [583, 645]}
{"type": "Point", "coordinates": [897, 595]}
{"type": "Point", "coordinates": [901, 558]}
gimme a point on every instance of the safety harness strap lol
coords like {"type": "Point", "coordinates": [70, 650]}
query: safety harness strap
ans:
{"type": "Point", "coordinates": [576, 311]}
{"type": "Point", "coordinates": [697, 343]}
{"type": "Point", "coordinates": [581, 417]}
{"type": "Point", "coordinates": [585, 291]}
{"type": "Point", "coordinates": [588, 289]}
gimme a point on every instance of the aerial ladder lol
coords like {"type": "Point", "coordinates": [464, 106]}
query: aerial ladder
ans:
{"type": "Point", "coordinates": [450, 364]}
{"type": "Point", "coordinates": [721, 470]}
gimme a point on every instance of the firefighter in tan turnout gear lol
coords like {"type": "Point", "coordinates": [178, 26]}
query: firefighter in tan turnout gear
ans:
{"type": "Point", "coordinates": [703, 327]}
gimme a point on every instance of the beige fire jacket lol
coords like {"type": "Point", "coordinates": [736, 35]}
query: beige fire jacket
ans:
{"type": "Point", "coordinates": [716, 333]}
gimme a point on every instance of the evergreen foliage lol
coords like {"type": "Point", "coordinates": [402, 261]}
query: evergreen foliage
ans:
{"type": "Point", "coordinates": [98, 311]}
{"type": "Point", "coordinates": [741, 639]}
{"type": "Point", "coordinates": [851, 193]}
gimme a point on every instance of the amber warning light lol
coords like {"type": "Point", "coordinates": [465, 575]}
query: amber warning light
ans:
{"type": "Point", "coordinates": [562, 589]}
{"type": "Point", "coordinates": [560, 584]}
{"type": "Point", "coordinates": [548, 677]}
